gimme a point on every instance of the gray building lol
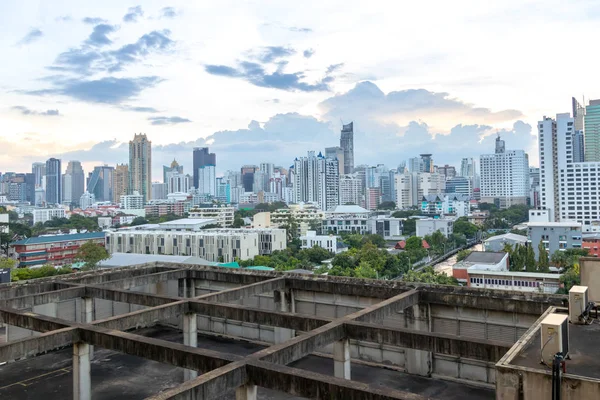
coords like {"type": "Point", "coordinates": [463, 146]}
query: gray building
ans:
{"type": "Point", "coordinates": [554, 235]}
{"type": "Point", "coordinates": [496, 243]}
{"type": "Point", "coordinates": [347, 144]}
{"type": "Point", "coordinates": [73, 183]}
{"type": "Point", "coordinates": [53, 181]}
{"type": "Point", "coordinates": [100, 183]}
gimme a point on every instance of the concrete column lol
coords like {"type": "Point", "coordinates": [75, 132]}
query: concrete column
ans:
{"type": "Point", "coordinates": [341, 359]}
{"type": "Point", "coordinates": [82, 381]}
{"type": "Point", "coordinates": [246, 392]}
{"type": "Point", "coordinates": [162, 288]}
{"type": "Point", "coordinates": [181, 287]}
{"type": "Point", "coordinates": [190, 338]}
{"type": "Point", "coordinates": [87, 305]}
{"type": "Point", "coordinates": [283, 303]}
{"type": "Point", "coordinates": [419, 362]}
{"type": "Point", "coordinates": [190, 285]}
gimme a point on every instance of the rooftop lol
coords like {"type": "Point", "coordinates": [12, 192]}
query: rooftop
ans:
{"type": "Point", "coordinates": [508, 236]}
{"type": "Point", "coordinates": [485, 257]}
{"type": "Point", "coordinates": [60, 238]}
{"type": "Point", "coordinates": [350, 209]}
{"type": "Point", "coordinates": [567, 224]}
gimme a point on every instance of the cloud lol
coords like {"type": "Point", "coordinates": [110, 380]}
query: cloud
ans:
{"type": "Point", "coordinates": [107, 90]}
{"type": "Point", "coordinates": [87, 59]}
{"type": "Point", "coordinates": [267, 69]}
{"type": "Point", "coordinates": [27, 111]}
{"type": "Point", "coordinates": [133, 13]}
{"type": "Point", "coordinates": [99, 37]}
{"type": "Point", "coordinates": [167, 120]}
{"type": "Point", "coordinates": [308, 53]}
{"type": "Point", "coordinates": [169, 12]}
{"type": "Point", "coordinates": [31, 36]}
{"type": "Point", "coordinates": [93, 20]}
{"type": "Point", "coordinates": [139, 109]}
{"type": "Point", "coordinates": [334, 67]}
{"type": "Point", "coordinates": [301, 30]}
{"type": "Point", "coordinates": [63, 18]}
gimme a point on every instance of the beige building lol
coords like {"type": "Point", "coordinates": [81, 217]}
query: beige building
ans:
{"type": "Point", "coordinates": [121, 181]}
{"type": "Point", "coordinates": [262, 220]}
{"type": "Point", "coordinates": [140, 166]}
{"type": "Point", "coordinates": [305, 214]}
{"type": "Point", "coordinates": [222, 214]}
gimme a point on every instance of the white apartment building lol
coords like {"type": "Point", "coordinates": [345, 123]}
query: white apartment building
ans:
{"type": "Point", "coordinates": [133, 201]}
{"type": "Point", "coordinates": [46, 214]}
{"type": "Point", "coordinates": [351, 219]}
{"type": "Point", "coordinates": [217, 245]}
{"type": "Point", "coordinates": [305, 214]}
{"type": "Point", "coordinates": [411, 187]}
{"type": "Point", "coordinates": [317, 180]}
{"type": "Point", "coordinates": [569, 189]}
{"type": "Point", "coordinates": [456, 204]}
{"type": "Point", "coordinates": [504, 176]}
{"type": "Point", "coordinates": [207, 180]}
{"type": "Point", "coordinates": [427, 226]}
{"type": "Point", "coordinates": [223, 215]}
{"type": "Point", "coordinates": [350, 189]}
{"type": "Point", "coordinates": [327, 242]}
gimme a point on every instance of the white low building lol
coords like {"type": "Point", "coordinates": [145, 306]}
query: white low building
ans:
{"type": "Point", "coordinates": [327, 242]}
{"type": "Point", "coordinates": [388, 227]}
{"type": "Point", "coordinates": [514, 281]}
{"type": "Point", "coordinates": [223, 215]}
{"type": "Point", "coordinates": [46, 214]}
{"type": "Point", "coordinates": [426, 226]}
{"type": "Point", "coordinates": [351, 219]}
{"type": "Point", "coordinates": [133, 201]}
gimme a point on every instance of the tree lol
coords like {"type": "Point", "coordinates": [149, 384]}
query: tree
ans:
{"type": "Point", "coordinates": [463, 226]}
{"type": "Point", "coordinates": [409, 226]}
{"type": "Point", "coordinates": [413, 243]}
{"type": "Point", "coordinates": [343, 260]}
{"type": "Point", "coordinates": [91, 254]}
{"type": "Point", "coordinates": [570, 279]}
{"type": "Point", "coordinates": [354, 241]}
{"type": "Point", "coordinates": [316, 225]}
{"type": "Point", "coordinates": [7, 263]}
{"type": "Point", "coordinates": [543, 261]}
{"type": "Point", "coordinates": [5, 240]}
{"type": "Point", "coordinates": [364, 270]}
{"type": "Point", "coordinates": [387, 205]}
{"type": "Point", "coordinates": [138, 221]}
{"type": "Point", "coordinates": [211, 226]}
{"type": "Point", "coordinates": [377, 240]}
{"type": "Point", "coordinates": [559, 259]}
{"type": "Point", "coordinates": [291, 228]}
{"type": "Point", "coordinates": [316, 254]}
{"type": "Point", "coordinates": [462, 254]}
{"type": "Point", "coordinates": [530, 265]}
{"type": "Point", "coordinates": [429, 275]}
{"type": "Point", "coordinates": [238, 221]}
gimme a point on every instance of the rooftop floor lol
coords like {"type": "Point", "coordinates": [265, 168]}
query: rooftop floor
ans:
{"type": "Point", "coordinates": [117, 376]}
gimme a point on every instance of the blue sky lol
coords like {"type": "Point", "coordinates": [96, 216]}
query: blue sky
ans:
{"type": "Point", "coordinates": [267, 80]}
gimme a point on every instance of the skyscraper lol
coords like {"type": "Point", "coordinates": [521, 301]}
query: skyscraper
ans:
{"type": "Point", "coordinates": [317, 179]}
{"type": "Point", "coordinates": [248, 176]}
{"type": "Point", "coordinates": [415, 164]}
{"type": "Point", "coordinates": [38, 169]}
{"type": "Point", "coordinates": [207, 180]}
{"type": "Point", "coordinates": [140, 166]}
{"type": "Point", "coordinates": [347, 145]}
{"type": "Point", "coordinates": [120, 182]}
{"type": "Point", "coordinates": [73, 183]}
{"type": "Point", "coordinates": [427, 162]}
{"type": "Point", "coordinates": [173, 168]}
{"type": "Point", "coordinates": [336, 153]}
{"type": "Point", "coordinates": [592, 131]}
{"type": "Point", "coordinates": [101, 183]}
{"type": "Point", "coordinates": [468, 168]}
{"type": "Point", "coordinates": [201, 158]}
{"type": "Point", "coordinates": [53, 181]}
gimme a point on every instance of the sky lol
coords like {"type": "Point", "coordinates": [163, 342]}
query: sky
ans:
{"type": "Point", "coordinates": [267, 81]}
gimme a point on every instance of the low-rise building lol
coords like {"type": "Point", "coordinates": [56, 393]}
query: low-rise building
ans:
{"type": "Point", "coordinates": [432, 204]}
{"type": "Point", "coordinates": [327, 242]}
{"type": "Point", "coordinates": [456, 204]}
{"type": "Point", "coordinates": [554, 235]}
{"type": "Point", "coordinates": [482, 261]}
{"type": "Point", "coordinates": [513, 281]}
{"type": "Point", "coordinates": [539, 215]}
{"type": "Point", "coordinates": [42, 215]}
{"type": "Point", "coordinates": [223, 215]}
{"type": "Point", "coordinates": [591, 242]}
{"type": "Point", "coordinates": [426, 226]}
{"type": "Point", "coordinates": [133, 201]}
{"type": "Point", "coordinates": [217, 245]}
{"type": "Point", "coordinates": [351, 219]}
{"type": "Point", "coordinates": [478, 217]}
{"type": "Point", "coordinates": [160, 208]}
{"type": "Point", "coordinates": [4, 223]}
{"type": "Point", "coordinates": [261, 220]}
{"type": "Point", "coordinates": [53, 249]}
{"type": "Point", "coordinates": [388, 227]}
{"type": "Point", "coordinates": [496, 243]}
{"type": "Point", "coordinates": [307, 215]}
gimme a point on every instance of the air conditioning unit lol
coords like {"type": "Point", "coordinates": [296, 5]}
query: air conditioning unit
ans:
{"type": "Point", "coordinates": [555, 337]}
{"type": "Point", "coordinates": [578, 300]}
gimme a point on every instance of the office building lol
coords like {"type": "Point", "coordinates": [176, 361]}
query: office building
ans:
{"type": "Point", "coordinates": [247, 173]}
{"type": "Point", "coordinates": [140, 166]}
{"type": "Point", "coordinates": [427, 162]}
{"type": "Point", "coordinates": [133, 201]}
{"type": "Point", "coordinates": [100, 183]}
{"type": "Point", "coordinates": [38, 169]}
{"type": "Point", "coordinates": [372, 198]}
{"type": "Point", "coordinates": [592, 131]}
{"type": "Point", "coordinates": [448, 171]}
{"type": "Point", "coordinates": [317, 180]}
{"type": "Point", "coordinates": [53, 181]}
{"type": "Point", "coordinates": [415, 164]}
{"type": "Point", "coordinates": [504, 176]}
{"type": "Point", "coordinates": [459, 185]}
{"type": "Point", "coordinates": [347, 145]}
{"type": "Point", "coordinates": [73, 183]}
{"type": "Point", "coordinates": [174, 168]}
{"type": "Point", "coordinates": [336, 153]}
{"type": "Point", "coordinates": [207, 180]}
{"type": "Point", "coordinates": [350, 190]}
{"type": "Point", "coordinates": [120, 182]}
{"type": "Point", "coordinates": [201, 158]}
{"type": "Point", "coordinates": [159, 191]}
{"type": "Point", "coordinates": [554, 235]}
{"type": "Point", "coordinates": [86, 200]}
{"type": "Point", "coordinates": [222, 215]}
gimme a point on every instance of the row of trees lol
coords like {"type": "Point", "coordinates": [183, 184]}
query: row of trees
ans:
{"type": "Point", "coordinates": [506, 218]}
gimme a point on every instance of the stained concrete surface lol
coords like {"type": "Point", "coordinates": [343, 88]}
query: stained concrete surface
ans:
{"type": "Point", "coordinates": [117, 376]}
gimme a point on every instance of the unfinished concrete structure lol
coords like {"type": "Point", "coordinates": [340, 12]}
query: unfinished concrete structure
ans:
{"type": "Point", "coordinates": [451, 333]}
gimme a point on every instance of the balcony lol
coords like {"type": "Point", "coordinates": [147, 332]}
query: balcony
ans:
{"type": "Point", "coordinates": [55, 249]}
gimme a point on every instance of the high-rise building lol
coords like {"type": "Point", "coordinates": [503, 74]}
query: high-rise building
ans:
{"type": "Point", "coordinates": [86, 200]}
{"type": "Point", "coordinates": [578, 114]}
{"type": "Point", "coordinates": [159, 191]}
{"type": "Point", "coordinates": [592, 131]}
{"type": "Point", "coordinates": [247, 173]}
{"type": "Point", "coordinates": [534, 187]}
{"type": "Point", "coordinates": [336, 153]}
{"type": "Point", "coordinates": [448, 171]}
{"type": "Point", "coordinates": [411, 187]}
{"type": "Point", "coordinates": [350, 190]}
{"type": "Point", "coordinates": [223, 191]}
{"type": "Point", "coordinates": [100, 183]}
{"type": "Point", "coordinates": [468, 168]}
{"type": "Point", "coordinates": [578, 146]}
{"type": "Point", "coordinates": [201, 158]}
{"type": "Point", "coordinates": [427, 162]}
{"type": "Point", "coordinates": [569, 189]}
{"type": "Point", "coordinates": [53, 181]}
{"type": "Point", "coordinates": [415, 164]}
{"type": "Point", "coordinates": [267, 169]}
{"type": "Point", "coordinates": [172, 169]}
{"type": "Point", "coordinates": [372, 198]}
{"type": "Point", "coordinates": [207, 180]}
{"type": "Point", "coordinates": [347, 145]}
{"type": "Point", "coordinates": [140, 166]}
{"type": "Point", "coordinates": [38, 169]}
{"type": "Point", "coordinates": [459, 185]}
{"type": "Point", "coordinates": [73, 183]}
{"type": "Point", "coordinates": [134, 201]}
{"type": "Point", "coordinates": [177, 183]}
{"type": "Point", "coordinates": [120, 182]}
{"type": "Point", "coordinates": [504, 176]}
{"type": "Point", "coordinates": [316, 180]}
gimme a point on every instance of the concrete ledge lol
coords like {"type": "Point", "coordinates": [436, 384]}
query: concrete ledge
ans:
{"type": "Point", "coordinates": [143, 318]}
{"type": "Point", "coordinates": [226, 296]}
{"type": "Point", "coordinates": [347, 286]}
{"type": "Point", "coordinates": [32, 321]}
{"type": "Point", "coordinates": [126, 296]}
{"type": "Point", "coordinates": [141, 280]}
{"type": "Point", "coordinates": [38, 344]}
{"type": "Point", "coordinates": [43, 298]}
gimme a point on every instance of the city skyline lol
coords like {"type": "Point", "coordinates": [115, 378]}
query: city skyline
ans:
{"type": "Point", "coordinates": [400, 102]}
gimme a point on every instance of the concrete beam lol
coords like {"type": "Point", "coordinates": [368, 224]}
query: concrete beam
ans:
{"type": "Point", "coordinates": [32, 346]}
{"type": "Point", "coordinates": [43, 298]}
{"type": "Point", "coordinates": [32, 321]}
{"type": "Point", "coordinates": [385, 308]}
{"type": "Point", "coordinates": [242, 292]}
{"type": "Point", "coordinates": [238, 276]}
{"type": "Point", "coordinates": [484, 350]}
{"type": "Point", "coordinates": [141, 280]}
{"type": "Point", "coordinates": [209, 386]}
{"type": "Point", "coordinates": [130, 297]}
{"type": "Point", "coordinates": [143, 318]}
{"type": "Point", "coordinates": [28, 288]}
{"type": "Point", "coordinates": [100, 276]}
{"type": "Point", "coordinates": [257, 316]}
{"type": "Point", "coordinates": [522, 303]}
{"type": "Point", "coordinates": [303, 383]}
{"type": "Point", "coordinates": [162, 351]}
{"type": "Point", "coordinates": [347, 286]}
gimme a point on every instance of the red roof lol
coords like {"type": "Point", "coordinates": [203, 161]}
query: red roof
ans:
{"type": "Point", "coordinates": [401, 244]}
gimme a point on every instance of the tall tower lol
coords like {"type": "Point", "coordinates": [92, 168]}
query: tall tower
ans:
{"type": "Point", "coordinates": [140, 166]}
{"type": "Point", "coordinates": [427, 162]}
{"type": "Point", "coordinates": [53, 181]}
{"type": "Point", "coordinates": [73, 183]}
{"type": "Point", "coordinates": [121, 182]}
{"type": "Point", "coordinates": [202, 158]}
{"type": "Point", "coordinates": [592, 131]}
{"type": "Point", "coordinates": [347, 145]}
{"type": "Point", "coordinates": [101, 183]}
{"type": "Point", "coordinates": [39, 171]}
